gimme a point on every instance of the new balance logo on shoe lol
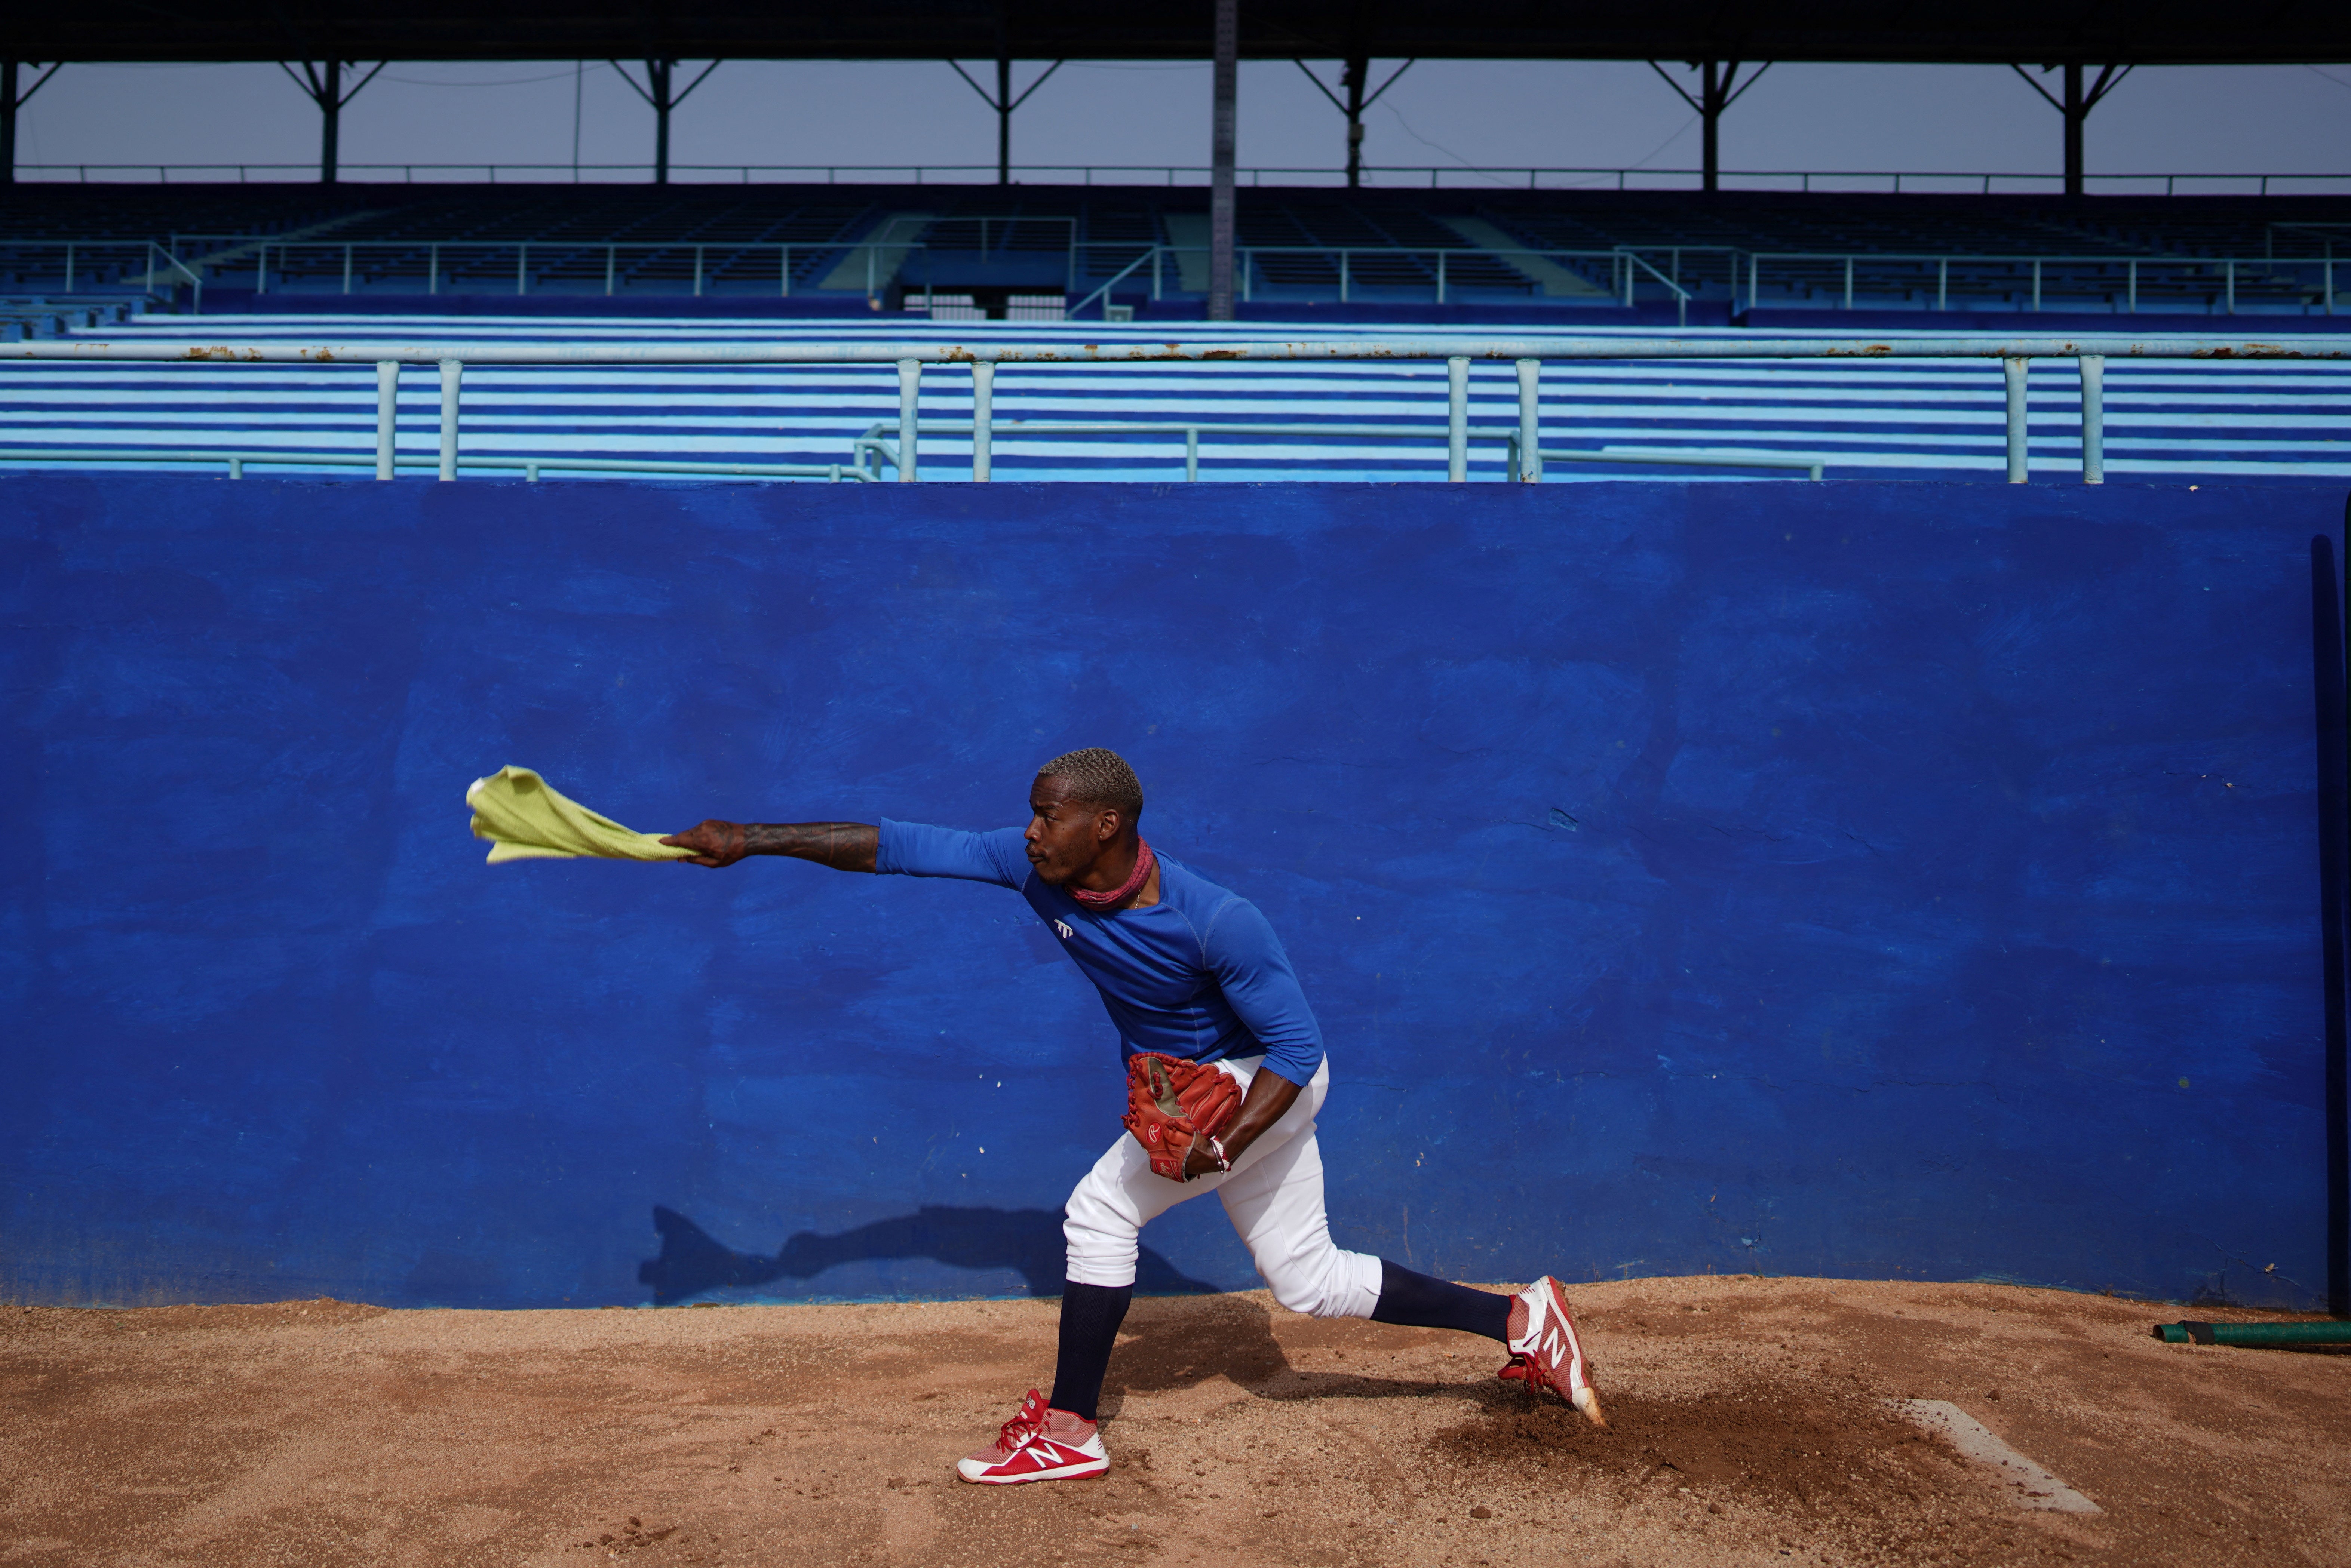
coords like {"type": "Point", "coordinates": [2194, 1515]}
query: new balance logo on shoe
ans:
{"type": "Point", "coordinates": [1548, 1355]}
{"type": "Point", "coordinates": [1025, 1450]}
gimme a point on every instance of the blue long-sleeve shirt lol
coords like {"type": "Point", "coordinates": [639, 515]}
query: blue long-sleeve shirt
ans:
{"type": "Point", "coordinates": [1198, 975]}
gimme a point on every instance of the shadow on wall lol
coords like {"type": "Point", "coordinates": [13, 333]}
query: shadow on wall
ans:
{"type": "Point", "coordinates": [693, 1262]}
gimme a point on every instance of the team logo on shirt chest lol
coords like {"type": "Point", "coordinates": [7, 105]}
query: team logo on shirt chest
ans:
{"type": "Point", "coordinates": [1064, 929]}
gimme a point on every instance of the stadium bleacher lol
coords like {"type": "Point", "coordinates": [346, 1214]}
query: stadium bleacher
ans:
{"type": "Point", "coordinates": [355, 263]}
{"type": "Point", "coordinates": [2169, 419]}
{"type": "Point", "coordinates": [1525, 255]}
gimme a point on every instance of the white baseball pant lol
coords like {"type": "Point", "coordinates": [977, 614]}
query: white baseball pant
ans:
{"type": "Point", "coordinates": [1273, 1194]}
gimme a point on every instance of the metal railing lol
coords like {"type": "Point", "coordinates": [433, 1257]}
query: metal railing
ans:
{"type": "Point", "coordinates": [1428, 176]}
{"type": "Point", "coordinates": [529, 467]}
{"type": "Point", "coordinates": [119, 256]}
{"type": "Point", "coordinates": [876, 264]}
{"type": "Point", "coordinates": [2222, 270]}
{"type": "Point", "coordinates": [888, 261]}
{"type": "Point", "coordinates": [874, 451]}
{"type": "Point", "coordinates": [2322, 235]}
{"type": "Point", "coordinates": [1526, 357]}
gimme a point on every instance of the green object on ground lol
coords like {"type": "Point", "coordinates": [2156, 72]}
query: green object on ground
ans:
{"type": "Point", "coordinates": [525, 818]}
{"type": "Point", "coordinates": [2337, 1333]}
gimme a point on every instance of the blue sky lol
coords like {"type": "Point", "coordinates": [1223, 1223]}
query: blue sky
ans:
{"type": "Point", "coordinates": [2292, 119]}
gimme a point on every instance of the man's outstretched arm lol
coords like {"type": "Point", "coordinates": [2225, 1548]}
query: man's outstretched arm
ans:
{"type": "Point", "coordinates": [843, 846]}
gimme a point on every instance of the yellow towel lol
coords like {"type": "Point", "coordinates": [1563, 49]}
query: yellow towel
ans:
{"type": "Point", "coordinates": [525, 818]}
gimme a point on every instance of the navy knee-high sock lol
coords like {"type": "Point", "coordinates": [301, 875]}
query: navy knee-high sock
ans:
{"type": "Point", "coordinates": [1419, 1301]}
{"type": "Point", "coordinates": [1089, 1318]}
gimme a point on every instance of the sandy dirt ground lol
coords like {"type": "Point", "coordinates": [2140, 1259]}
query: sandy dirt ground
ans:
{"type": "Point", "coordinates": [1753, 1424]}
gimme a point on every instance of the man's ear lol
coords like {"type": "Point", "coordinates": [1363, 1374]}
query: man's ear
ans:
{"type": "Point", "coordinates": [1115, 825]}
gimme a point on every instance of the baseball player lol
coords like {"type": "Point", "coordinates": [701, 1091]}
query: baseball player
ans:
{"type": "Point", "coordinates": [1226, 1074]}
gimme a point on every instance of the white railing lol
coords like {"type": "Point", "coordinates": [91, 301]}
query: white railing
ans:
{"type": "Point", "coordinates": [237, 461]}
{"type": "Point", "coordinates": [1416, 176]}
{"type": "Point", "coordinates": [874, 451]}
{"type": "Point", "coordinates": [2090, 354]}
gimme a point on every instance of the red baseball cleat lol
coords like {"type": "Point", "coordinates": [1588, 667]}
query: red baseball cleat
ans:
{"type": "Point", "coordinates": [1548, 1354]}
{"type": "Point", "coordinates": [1041, 1443]}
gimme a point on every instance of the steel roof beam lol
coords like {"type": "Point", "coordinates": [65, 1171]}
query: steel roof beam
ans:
{"type": "Point", "coordinates": [1993, 32]}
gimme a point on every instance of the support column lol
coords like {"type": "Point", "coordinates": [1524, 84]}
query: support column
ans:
{"type": "Point", "coordinates": [983, 420]}
{"type": "Point", "coordinates": [2018, 462]}
{"type": "Point", "coordinates": [660, 76]}
{"type": "Point", "coordinates": [11, 100]}
{"type": "Point", "coordinates": [1003, 102]}
{"type": "Point", "coordinates": [1354, 73]}
{"type": "Point", "coordinates": [452, 377]}
{"type": "Point", "coordinates": [1003, 122]}
{"type": "Point", "coordinates": [1710, 130]}
{"type": "Point", "coordinates": [1003, 105]}
{"type": "Point", "coordinates": [322, 82]}
{"type": "Point", "coordinates": [1352, 78]}
{"type": "Point", "coordinates": [1719, 88]}
{"type": "Point", "coordinates": [2074, 113]}
{"type": "Point", "coordinates": [1456, 419]}
{"type": "Point", "coordinates": [2094, 418]}
{"type": "Point", "coordinates": [910, 417]}
{"type": "Point", "coordinates": [330, 123]}
{"type": "Point", "coordinates": [657, 73]}
{"type": "Point", "coordinates": [2074, 108]}
{"type": "Point", "coordinates": [1220, 158]}
{"type": "Point", "coordinates": [387, 417]}
{"type": "Point", "coordinates": [1530, 422]}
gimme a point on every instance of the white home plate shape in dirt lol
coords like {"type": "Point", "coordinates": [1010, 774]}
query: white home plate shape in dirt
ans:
{"type": "Point", "coordinates": [2035, 1487]}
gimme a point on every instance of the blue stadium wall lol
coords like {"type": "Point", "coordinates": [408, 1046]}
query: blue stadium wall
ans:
{"type": "Point", "coordinates": [1911, 880]}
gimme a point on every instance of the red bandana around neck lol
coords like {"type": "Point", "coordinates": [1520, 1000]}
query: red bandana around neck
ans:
{"type": "Point", "coordinates": [1143, 861]}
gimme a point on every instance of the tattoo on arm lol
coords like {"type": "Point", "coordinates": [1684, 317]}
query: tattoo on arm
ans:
{"type": "Point", "coordinates": [844, 846]}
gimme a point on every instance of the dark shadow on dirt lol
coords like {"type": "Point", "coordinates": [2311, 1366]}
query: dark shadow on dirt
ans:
{"type": "Point", "coordinates": [1232, 1337]}
{"type": "Point", "coordinates": [692, 1263]}
{"type": "Point", "coordinates": [1177, 1346]}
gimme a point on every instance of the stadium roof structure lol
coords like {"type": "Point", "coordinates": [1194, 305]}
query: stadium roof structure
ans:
{"type": "Point", "coordinates": [1988, 32]}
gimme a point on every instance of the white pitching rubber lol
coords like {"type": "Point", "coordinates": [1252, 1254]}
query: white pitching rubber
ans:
{"type": "Point", "coordinates": [2032, 1486]}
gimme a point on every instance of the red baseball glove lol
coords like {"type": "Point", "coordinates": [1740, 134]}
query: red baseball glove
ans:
{"type": "Point", "coordinates": [1171, 1103]}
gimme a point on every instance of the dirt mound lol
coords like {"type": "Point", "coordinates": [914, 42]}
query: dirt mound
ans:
{"type": "Point", "coordinates": [1774, 1440]}
{"type": "Point", "coordinates": [1789, 1460]}
{"type": "Point", "coordinates": [1753, 1428]}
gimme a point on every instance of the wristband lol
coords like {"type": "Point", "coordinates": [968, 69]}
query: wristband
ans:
{"type": "Point", "coordinates": [1216, 1147]}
